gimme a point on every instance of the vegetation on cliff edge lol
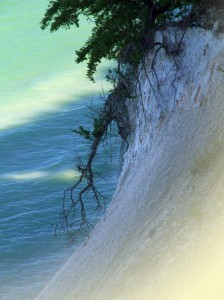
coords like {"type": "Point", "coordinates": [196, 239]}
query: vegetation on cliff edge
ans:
{"type": "Point", "coordinates": [123, 31]}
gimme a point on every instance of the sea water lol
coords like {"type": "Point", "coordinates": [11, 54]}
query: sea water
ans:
{"type": "Point", "coordinates": [43, 96]}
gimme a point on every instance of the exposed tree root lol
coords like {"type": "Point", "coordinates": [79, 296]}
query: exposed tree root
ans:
{"type": "Point", "coordinates": [73, 217]}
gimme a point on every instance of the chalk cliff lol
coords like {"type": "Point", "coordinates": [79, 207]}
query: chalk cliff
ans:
{"type": "Point", "coordinates": [162, 236]}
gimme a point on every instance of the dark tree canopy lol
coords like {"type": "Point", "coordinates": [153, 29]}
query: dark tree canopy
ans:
{"type": "Point", "coordinates": [123, 30]}
{"type": "Point", "coordinates": [118, 24]}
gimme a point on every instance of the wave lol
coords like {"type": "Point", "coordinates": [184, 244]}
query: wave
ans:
{"type": "Point", "coordinates": [65, 175]}
{"type": "Point", "coordinates": [45, 96]}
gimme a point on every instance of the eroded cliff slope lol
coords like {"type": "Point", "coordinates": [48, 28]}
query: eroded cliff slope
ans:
{"type": "Point", "coordinates": [162, 236]}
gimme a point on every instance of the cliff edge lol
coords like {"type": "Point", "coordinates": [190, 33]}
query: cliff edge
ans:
{"type": "Point", "coordinates": [162, 236]}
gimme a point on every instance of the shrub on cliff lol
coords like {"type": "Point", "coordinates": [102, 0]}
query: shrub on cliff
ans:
{"type": "Point", "coordinates": [123, 31]}
{"type": "Point", "coordinates": [120, 26]}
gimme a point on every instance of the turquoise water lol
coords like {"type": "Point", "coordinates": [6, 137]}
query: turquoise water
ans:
{"type": "Point", "coordinates": [43, 95]}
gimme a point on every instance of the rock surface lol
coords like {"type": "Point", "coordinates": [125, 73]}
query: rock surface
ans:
{"type": "Point", "coordinates": [162, 236]}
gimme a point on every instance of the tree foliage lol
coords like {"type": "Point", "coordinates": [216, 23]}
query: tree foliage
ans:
{"type": "Point", "coordinates": [123, 31]}
{"type": "Point", "coordinates": [119, 25]}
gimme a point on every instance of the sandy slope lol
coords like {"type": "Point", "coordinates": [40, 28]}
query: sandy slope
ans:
{"type": "Point", "coordinates": [162, 236]}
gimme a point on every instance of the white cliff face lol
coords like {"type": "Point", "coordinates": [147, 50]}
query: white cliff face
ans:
{"type": "Point", "coordinates": [176, 83]}
{"type": "Point", "coordinates": [162, 236]}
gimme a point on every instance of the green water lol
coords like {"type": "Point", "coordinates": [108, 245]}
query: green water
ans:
{"type": "Point", "coordinates": [37, 68]}
{"type": "Point", "coordinates": [43, 95]}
